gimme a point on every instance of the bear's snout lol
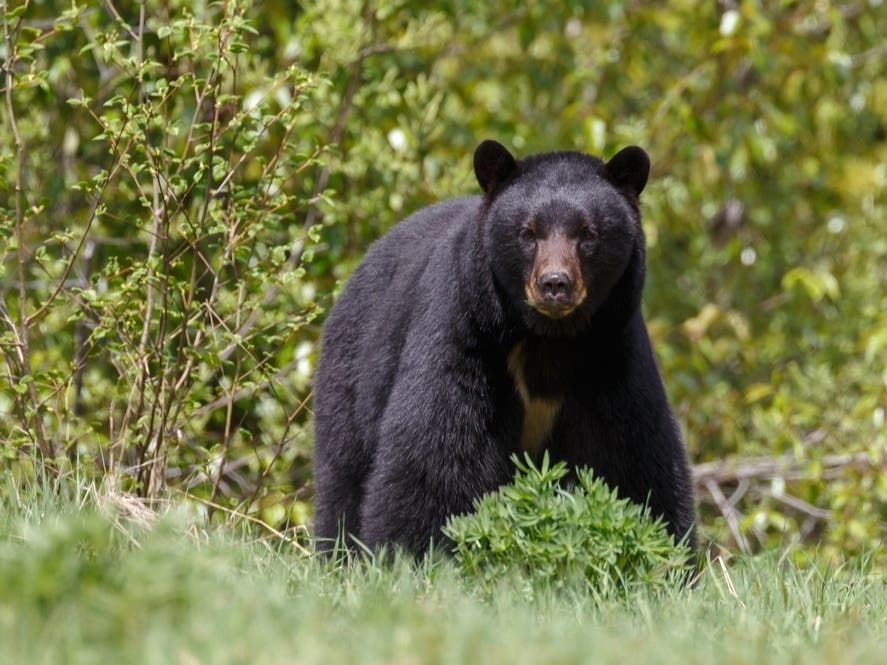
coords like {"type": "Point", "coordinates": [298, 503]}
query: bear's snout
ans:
{"type": "Point", "coordinates": [555, 287]}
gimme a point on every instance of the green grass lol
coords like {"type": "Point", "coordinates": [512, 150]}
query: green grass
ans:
{"type": "Point", "coordinates": [86, 585]}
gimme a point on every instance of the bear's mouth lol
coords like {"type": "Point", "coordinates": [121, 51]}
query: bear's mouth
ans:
{"type": "Point", "coordinates": [554, 306]}
{"type": "Point", "coordinates": [553, 310]}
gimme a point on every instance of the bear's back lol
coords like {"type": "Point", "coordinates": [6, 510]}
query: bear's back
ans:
{"type": "Point", "coordinates": [409, 245]}
{"type": "Point", "coordinates": [384, 285]}
{"type": "Point", "coordinates": [366, 329]}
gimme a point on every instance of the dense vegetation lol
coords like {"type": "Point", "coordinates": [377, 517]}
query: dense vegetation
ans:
{"type": "Point", "coordinates": [114, 584]}
{"type": "Point", "coordinates": [184, 185]}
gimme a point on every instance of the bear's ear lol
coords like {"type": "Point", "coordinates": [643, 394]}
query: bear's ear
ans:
{"type": "Point", "coordinates": [628, 170]}
{"type": "Point", "coordinates": [493, 165]}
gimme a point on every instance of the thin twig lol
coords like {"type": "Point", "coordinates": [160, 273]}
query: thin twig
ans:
{"type": "Point", "coordinates": [730, 514]}
{"type": "Point", "coordinates": [800, 505]}
{"type": "Point", "coordinates": [249, 518]}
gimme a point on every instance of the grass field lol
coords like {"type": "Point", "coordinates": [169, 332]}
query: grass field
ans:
{"type": "Point", "coordinates": [86, 585]}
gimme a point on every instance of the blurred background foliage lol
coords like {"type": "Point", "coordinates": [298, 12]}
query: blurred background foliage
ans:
{"type": "Point", "coordinates": [184, 186]}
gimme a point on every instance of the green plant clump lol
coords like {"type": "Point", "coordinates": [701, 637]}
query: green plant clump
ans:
{"type": "Point", "coordinates": [551, 536]}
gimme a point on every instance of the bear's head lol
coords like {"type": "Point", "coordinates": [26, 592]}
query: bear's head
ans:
{"type": "Point", "coordinates": [562, 233]}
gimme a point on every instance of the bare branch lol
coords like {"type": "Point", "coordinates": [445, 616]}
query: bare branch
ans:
{"type": "Point", "coordinates": [752, 476]}
{"type": "Point", "coordinates": [787, 467]}
{"type": "Point", "coordinates": [730, 514]}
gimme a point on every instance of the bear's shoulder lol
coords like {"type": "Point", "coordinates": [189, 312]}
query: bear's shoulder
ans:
{"type": "Point", "coordinates": [430, 225]}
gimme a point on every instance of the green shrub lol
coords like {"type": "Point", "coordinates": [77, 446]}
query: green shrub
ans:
{"type": "Point", "coordinates": [161, 297]}
{"type": "Point", "coordinates": [550, 536]}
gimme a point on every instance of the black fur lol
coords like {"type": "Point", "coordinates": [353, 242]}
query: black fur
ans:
{"type": "Point", "coordinates": [417, 413]}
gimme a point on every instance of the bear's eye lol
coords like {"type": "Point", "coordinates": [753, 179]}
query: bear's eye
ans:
{"type": "Point", "coordinates": [527, 234]}
{"type": "Point", "coordinates": [588, 237]}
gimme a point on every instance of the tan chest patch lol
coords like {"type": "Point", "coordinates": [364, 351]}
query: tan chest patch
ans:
{"type": "Point", "coordinates": [540, 413]}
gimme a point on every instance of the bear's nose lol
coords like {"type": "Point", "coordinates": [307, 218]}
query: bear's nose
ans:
{"type": "Point", "coordinates": [555, 285]}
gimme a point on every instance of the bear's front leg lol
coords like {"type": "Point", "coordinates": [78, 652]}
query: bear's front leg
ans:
{"type": "Point", "coordinates": [436, 455]}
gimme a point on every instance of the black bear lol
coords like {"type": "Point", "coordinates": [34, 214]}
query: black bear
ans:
{"type": "Point", "coordinates": [482, 327]}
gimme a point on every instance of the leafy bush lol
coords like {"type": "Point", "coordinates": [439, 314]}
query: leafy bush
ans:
{"type": "Point", "coordinates": [550, 536]}
{"type": "Point", "coordinates": [158, 298]}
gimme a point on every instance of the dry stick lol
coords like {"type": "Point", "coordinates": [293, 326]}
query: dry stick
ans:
{"type": "Point", "coordinates": [741, 488]}
{"type": "Point", "coordinates": [787, 467]}
{"type": "Point", "coordinates": [162, 406]}
{"type": "Point", "coordinates": [800, 505]}
{"type": "Point", "coordinates": [729, 581]}
{"type": "Point", "coordinates": [250, 518]}
{"type": "Point", "coordinates": [711, 475]}
{"type": "Point", "coordinates": [730, 514]}
{"type": "Point", "coordinates": [81, 336]}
